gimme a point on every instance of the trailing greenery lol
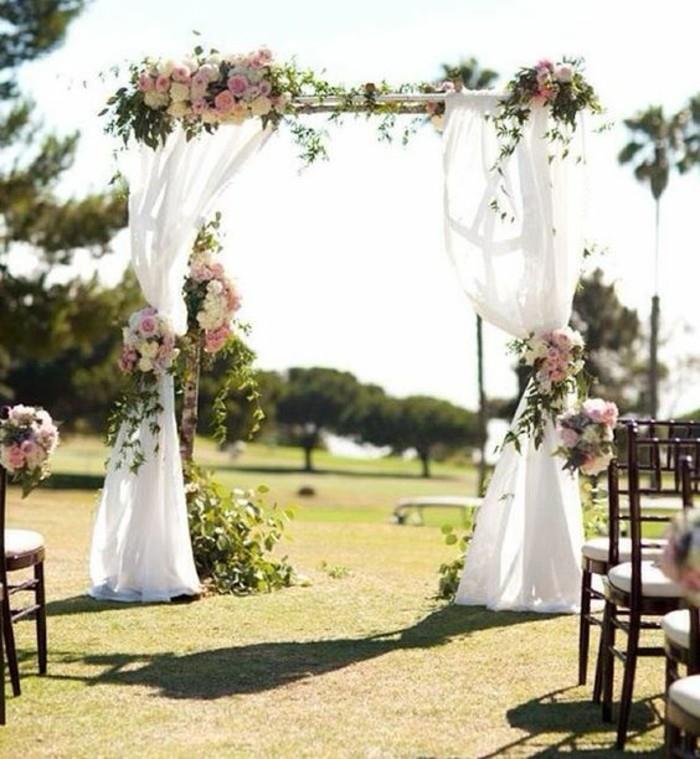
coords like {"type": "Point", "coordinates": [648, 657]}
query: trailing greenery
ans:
{"type": "Point", "coordinates": [233, 536]}
{"type": "Point", "coordinates": [450, 572]}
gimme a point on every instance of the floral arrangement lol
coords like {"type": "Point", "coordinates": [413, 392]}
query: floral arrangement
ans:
{"type": "Point", "coordinates": [556, 359]}
{"type": "Point", "coordinates": [587, 436]}
{"type": "Point", "coordinates": [148, 343]}
{"type": "Point", "coordinates": [436, 109]}
{"type": "Point", "coordinates": [28, 438]}
{"type": "Point", "coordinates": [205, 90]}
{"type": "Point", "coordinates": [561, 87]}
{"type": "Point", "coordinates": [212, 299]}
{"type": "Point", "coordinates": [680, 560]}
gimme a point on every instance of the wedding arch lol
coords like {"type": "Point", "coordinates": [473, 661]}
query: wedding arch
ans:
{"type": "Point", "coordinates": [513, 195]}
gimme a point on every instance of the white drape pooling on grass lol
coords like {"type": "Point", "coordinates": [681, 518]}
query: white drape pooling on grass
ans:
{"type": "Point", "coordinates": [520, 274]}
{"type": "Point", "coordinates": [141, 549]}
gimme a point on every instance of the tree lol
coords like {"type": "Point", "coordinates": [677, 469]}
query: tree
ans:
{"type": "Point", "coordinates": [314, 401]}
{"type": "Point", "coordinates": [420, 422]}
{"type": "Point", "coordinates": [656, 143]}
{"type": "Point", "coordinates": [471, 76]}
{"type": "Point", "coordinates": [45, 326]}
{"type": "Point", "coordinates": [612, 333]}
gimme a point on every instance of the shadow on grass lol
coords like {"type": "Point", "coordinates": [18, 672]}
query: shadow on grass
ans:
{"type": "Point", "coordinates": [265, 666]}
{"type": "Point", "coordinates": [85, 604]}
{"type": "Point", "coordinates": [369, 473]}
{"type": "Point", "coordinates": [572, 723]}
{"type": "Point", "coordinates": [72, 481]}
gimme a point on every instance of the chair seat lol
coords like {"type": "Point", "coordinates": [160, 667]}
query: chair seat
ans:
{"type": "Point", "coordinates": [22, 542]}
{"type": "Point", "coordinates": [597, 549]}
{"type": "Point", "coordinates": [686, 694]}
{"type": "Point", "coordinates": [676, 627]}
{"type": "Point", "coordinates": [655, 584]}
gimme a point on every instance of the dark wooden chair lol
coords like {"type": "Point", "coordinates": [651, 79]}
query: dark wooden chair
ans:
{"type": "Point", "coordinates": [637, 594]}
{"type": "Point", "coordinates": [22, 549]}
{"type": "Point", "coordinates": [661, 499]}
{"type": "Point", "coordinates": [682, 644]}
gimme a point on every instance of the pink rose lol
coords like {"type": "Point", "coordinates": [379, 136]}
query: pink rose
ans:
{"type": "Point", "coordinates": [199, 83]}
{"type": "Point", "coordinates": [568, 436]}
{"type": "Point", "coordinates": [238, 84]}
{"type": "Point", "coordinates": [223, 102]}
{"type": "Point", "coordinates": [181, 74]}
{"type": "Point", "coordinates": [146, 83]}
{"type": "Point", "coordinates": [15, 457]}
{"type": "Point", "coordinates": [264, 55]}
{"type": "Point", "coordinates": [265, 87]}
{"type": "Point", "coordinates": [544, 63]}
{"type": "Point", "coordinates": [199, 106]}
{"type": "Point", "coordinates": [600, 411]}
{"type": "Point", "coordinates": [148, 325]}
{"type": "Point", "coordinates": [217, 271]}
{"type": "Point", "coordinates": [33, 453]}
{"type": "Point", "coordinates": [215, 340]}
{"type": "Point", "coordinates": [162, 83]}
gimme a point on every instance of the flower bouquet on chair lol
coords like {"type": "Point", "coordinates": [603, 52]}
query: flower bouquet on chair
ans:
{"type": "Point", "coordinates": [587, 436]}
{"type": "Point", "coordinates": [680, 560]}
{"type": "Point", "coordinates": [28, 438]}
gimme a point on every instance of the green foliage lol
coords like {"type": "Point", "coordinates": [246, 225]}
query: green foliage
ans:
{"type": "Point", "coordinates": [233, 536]}
{"type": "Point", "coordinates": [429, 425]}
{"type": "Point", "coordinates": [315, 400]}
{"type": "Point", "coordinates": [450, 572]}
{"type": "Point", "coordinates": [469, 73]}
{"type": "Point", "coordinates": [656, 143]}
{"type": "Point", "coordinates": [614, 342]}
{"type": "Point", "coordinates": [334, 571]}
{"type": "Point", "coordinates": [31, 29]}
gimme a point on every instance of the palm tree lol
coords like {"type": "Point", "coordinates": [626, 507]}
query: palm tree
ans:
{"type": "Point", "coordinates": [469, 74]}
{"type": "Point", "coordinates": [656, 143]}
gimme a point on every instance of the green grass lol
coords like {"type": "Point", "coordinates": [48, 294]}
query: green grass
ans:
{"type": "Point", "coordinates": [361, 663]}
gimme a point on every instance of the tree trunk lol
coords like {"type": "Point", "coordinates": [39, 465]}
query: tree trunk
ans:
{"type": "Point", "coordinates": [482, 402]}
{"type": "Point", "coordinates": [190, 401]}
{"type": "Point", "coordinates": [654, 337]}
{"type": "Point", "coordinates": [425, 461]}
{"type": "Point", "coordinates": [308, 463]}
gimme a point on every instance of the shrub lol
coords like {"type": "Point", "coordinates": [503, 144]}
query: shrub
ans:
{"type": "Point", "coordinates": [233, 535]}
{"type": "Point", "coordinates": [450, 572]}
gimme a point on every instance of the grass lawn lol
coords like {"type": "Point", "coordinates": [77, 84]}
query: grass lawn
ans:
{"type": "Point", "coordinates": [362, 663]}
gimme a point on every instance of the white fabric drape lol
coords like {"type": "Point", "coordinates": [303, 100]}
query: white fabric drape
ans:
{"type": "Point", "coordinates": [141, 549]}
{"type": "Point", "coordinates": [520, 273]}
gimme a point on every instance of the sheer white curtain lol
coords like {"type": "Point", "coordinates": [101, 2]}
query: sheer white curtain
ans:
{"type": "Point", "coordinates": [141, 548]}
{"type": "Point", "coordinates": [520, 273]}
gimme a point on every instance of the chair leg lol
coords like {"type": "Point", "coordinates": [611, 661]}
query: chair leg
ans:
{"type": "Point", "coordinates": [628, 680]}
{"type": "Point", "coordinates": [598, 682]}
{"type": "Point", "coordinates": [608, 660]}
{"type": "Point", "coordinates": [3, 720]}
{"type": "Point", "coordinates": [672, 735]}
{"type": "Point", "coordinates": [9, 636]}
{"type": "Point", "coordinates": [584, 633]}
{"type": "Point", "coordinates": [40, 600]}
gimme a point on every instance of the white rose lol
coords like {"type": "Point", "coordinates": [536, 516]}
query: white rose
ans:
{"type": "Point", "coordinates": [179, 92]}
{"type": "Point", "coordinates": [563, 72]}
{"type": "Point", "coordinates": [145, 364]}
{"type": "Point", "coordinates": [211, 71]}
{"type": "Point", "coordinates": [261, 106]}
{"type": "Point", "coordinates": [165, 66]}
{"type": "Point", "coordinates": [178, 109]}
{"type": "Point", "coordinates": [214, 59]}
{"type": "Point", "coordinates": [148, 349]}
{"type": "Point", "coordinates": [155, 99]}
{"type": "Point", "coordinates": [214, 287]}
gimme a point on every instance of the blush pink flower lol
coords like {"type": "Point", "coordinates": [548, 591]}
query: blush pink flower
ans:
{"type": "Point", "coordinates": [238, 84]}
{"type": "Point", "coordinates": [181, 74]}
{"type": "Point", "coordinates": [199, 106]}
{"type": "Point", "coordinates": [146, 83]}
{"type": "Point", "coordinates": [148, 325]}
{"type": "Point", "coordinates": [15, 457]}
{"type": "Point", "coordinates": [162, 83]}
{"type": "Point", "coordinates": [215, 340]}
{"type": "Point", "coordinates": [265, 87]}
{"type": "Point", "coordinates": [224, 102]}
{"type": "Point", "coordinates": [569, 437]}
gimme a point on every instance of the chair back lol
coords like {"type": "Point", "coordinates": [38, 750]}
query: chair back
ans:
{"type": "Point", "coordinates": [4, 411]}
{"type": "Point", "coordinates": [650, 467]}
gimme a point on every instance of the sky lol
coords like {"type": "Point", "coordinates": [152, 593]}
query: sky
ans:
{"type": "Point", "coordinates": [343, 264]}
